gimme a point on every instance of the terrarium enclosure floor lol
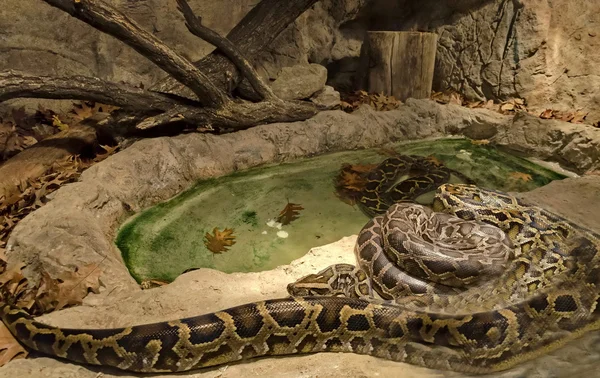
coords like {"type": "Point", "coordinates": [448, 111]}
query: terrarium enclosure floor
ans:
{"type": "Point", "coordinates": [80, 223]}
{"type": "Point", "coordinates": [174, 232]}
{"type": "Point", "coordinates": [207, 290]}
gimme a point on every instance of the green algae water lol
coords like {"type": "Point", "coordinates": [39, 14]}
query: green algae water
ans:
{"type": "Point", "coordinates": [168, 239]}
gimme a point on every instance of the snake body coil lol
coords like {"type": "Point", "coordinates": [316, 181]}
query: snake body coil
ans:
{"type": "Point", "coordinates": [546, 293]}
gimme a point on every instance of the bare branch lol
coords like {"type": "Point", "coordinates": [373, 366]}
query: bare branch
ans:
{"type": "Point", "coordinates": [194, 25]}
{"type": "Point", "coordinates": [14, 84]}
{"type": "Point", "coordinates": [109, 20]}
{"type": "Point", "coordinates": [254, 33]}
{"type": "Point", "coordinates": [172, 115]}
{"type": "Point", "coordinates": [238, 116]}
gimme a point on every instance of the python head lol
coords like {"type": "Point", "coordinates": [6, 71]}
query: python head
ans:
{"type": "Point", "coordinates": [337, 280]}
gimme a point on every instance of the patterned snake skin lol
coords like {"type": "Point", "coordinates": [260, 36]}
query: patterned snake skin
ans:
{"type": "Point", "coordinates": [540, 288]}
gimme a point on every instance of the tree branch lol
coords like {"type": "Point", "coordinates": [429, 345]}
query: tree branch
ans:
{"type": "Point", "coordinates": [254, 33]}
{"type": "Point", "coordinates": [194, 25]}
{"type": "Point", "coordinates": [238, 116]}
{"type": "Point", "coordinates": [14, 84]}
{"type": "Point", "coordinates": [109, 20]}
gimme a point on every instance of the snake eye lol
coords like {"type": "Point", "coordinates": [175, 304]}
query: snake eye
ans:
{"type": "Point", "coordinates": [477, 198]}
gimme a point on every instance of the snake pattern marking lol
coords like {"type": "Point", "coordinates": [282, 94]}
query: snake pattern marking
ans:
{"type": "Point", "coordinates": [382, 189]}
{"type": "Point", "coordinates": [547, 294]}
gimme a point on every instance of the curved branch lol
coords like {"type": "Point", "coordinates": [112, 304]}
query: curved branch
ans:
{"type": "Point", "coordinates": [254, 33]}
{"type": "Point", "coordinates": [194, 25]}
{"type": "Point", "coordinates": [109, 20]}
{"type": "Point", "coordinates": [14, 84]}
{"type": "Point", "coordinates": [238, 116]}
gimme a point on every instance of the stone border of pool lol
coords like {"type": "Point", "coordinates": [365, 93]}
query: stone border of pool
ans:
{"type": "Point", "coordinates": [79, 224]}
{"type": "Point", "coordinates": [78, 227]}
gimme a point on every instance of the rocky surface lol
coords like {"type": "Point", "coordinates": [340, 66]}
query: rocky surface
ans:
{"type": "Point", "coordinates": [39, 39]}
{"type": "Point", "coordinates": [300, 81]}
{"type": "Point", "coordinates": [327, 98]}
{"type": "Point", "coordinates": [80, 222]}
{"type": "Point", "coordinates": [78, 226]}
{"type": "Point", "coordinates": [542, 50]}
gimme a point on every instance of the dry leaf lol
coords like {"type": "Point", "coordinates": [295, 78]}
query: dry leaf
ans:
{"type": "Point", "coordinates": [44, 115]}
{"type": "Point", "coordinates": [378, 101]}
{"type": "Point", "coordinates": [11, 280]}
{"type": "Point", "coordinates": [219, 241]}
{"type": "Point", "coordinates": [56, 122]}
{"type": "Point", "coordinates": [456, 99]}
{"type": "Point", "coordinates": [109, 151]}
{"type": "Point", "coordinates": [290, 212]}
{"type": "Point", "coordinates": [361, 168]}
{"type": "Point", "coordinates": [86, 109]}
{"type": "Point", "coordinates": [69, 288]}
{"type": "Point", "coordinates": [151, 284]}
{"type": "Point", "coordinates": [448, 97]}
{"type": "Point", "coordinates": [353, 181]}
{"type": "Point", "coordinates": [10, 349]}
{"type": "Point", "coordinates": [434, 160]}
{"type": "Point", "coordinates": [474, 104]}
{"type": "Point", "coordinates": [521, 176]}
{"type": "Point", "coordinates": [547, 114]}
{"type": "Point", "coordinates": [579, 116]}
{"type": "Point", "coordinates": [480, 142]}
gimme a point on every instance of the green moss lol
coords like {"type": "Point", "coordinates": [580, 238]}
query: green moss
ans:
{"type": "Point", "coordinates": [249, 217]}
{"type": "Point", "coordinates": [167, 239]}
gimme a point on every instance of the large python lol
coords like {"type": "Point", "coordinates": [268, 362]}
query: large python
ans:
{"type": "Point", "coordinates": [548, 294]}
{"type": "Point", "coordinates": [383, 188]}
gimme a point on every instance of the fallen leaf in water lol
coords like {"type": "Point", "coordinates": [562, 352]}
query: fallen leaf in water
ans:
{"type": "Point", "coordinates": [290, 212]}
{"type": "Point", "coordinates": [388, 151]}
{"type": "Point", "coordinates": [219, 241]}
{"type": "Point", "coordinates": [10, 349]}
{"type": "Point", "coordinates": [434, 160]}
{"type": "Point", "coordinates": [352, 181]}
{"type": "Point", "coordinates": [360, 168]}
{"type": "Point", "coordinates": [521, 176]}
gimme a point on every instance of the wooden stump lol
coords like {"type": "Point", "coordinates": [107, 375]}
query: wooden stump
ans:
{"type": "Point", "coordinates": [401, 63]}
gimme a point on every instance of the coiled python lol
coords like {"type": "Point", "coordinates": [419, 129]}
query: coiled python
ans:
{"type": "Point", "coordinates": [548, 294]}
{"type": "Point", "coordinates": [382, 188]}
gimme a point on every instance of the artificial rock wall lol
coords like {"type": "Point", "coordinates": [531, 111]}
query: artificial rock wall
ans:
{"type": "Point", "coordinates": [543, 50]}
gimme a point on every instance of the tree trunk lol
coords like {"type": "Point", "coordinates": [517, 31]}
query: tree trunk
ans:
{"type": "Point", "coordinates": [254, 33]}
{"type": "Point", "coordinates": [401, 64]}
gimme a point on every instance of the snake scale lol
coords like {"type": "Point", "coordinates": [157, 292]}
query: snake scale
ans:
{"type": "Point", "coordinates": [535, 287]}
